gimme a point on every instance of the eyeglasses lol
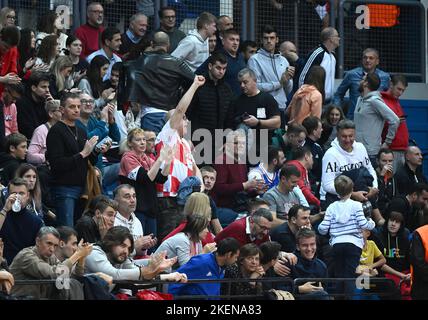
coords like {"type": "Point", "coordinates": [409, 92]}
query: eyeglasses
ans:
{"type": "Point", "coordinates": [87, 101]}
{"type": "Point", "coordinates": [11, 17]}
{"type": "Point", "coordinates": [169, 17]}
{"type": "Point", "coordinates": [264, 228]}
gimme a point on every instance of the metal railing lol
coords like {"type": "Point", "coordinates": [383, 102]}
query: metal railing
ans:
{"type": "Point", "coordinates": [330, 285]}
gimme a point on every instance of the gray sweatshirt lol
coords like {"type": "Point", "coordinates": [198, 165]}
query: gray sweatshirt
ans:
{"type": "Point", "coordinates": [193, 49]}
{"type": "Point", "coordinates": [269, 69]}
{"type": "Point", "coordinates": [369, 116]}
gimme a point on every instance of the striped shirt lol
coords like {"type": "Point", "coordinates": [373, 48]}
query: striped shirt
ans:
{"type": "Point", "coordinates": [182, 164]}
{"type": "Point", "coordinates": [345, 220]}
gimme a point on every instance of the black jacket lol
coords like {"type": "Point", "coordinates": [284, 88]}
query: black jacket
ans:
{"type": "Point", "coordinates": [210, 104]}
{"type": "Point", "coordinates": [8, 166]}
{"type": "Point", "coordinates": [406, 178]}
{"type": "Point", "coordinates": [156, 79]}
{"type": "Point", "coordinates": [31, 114]}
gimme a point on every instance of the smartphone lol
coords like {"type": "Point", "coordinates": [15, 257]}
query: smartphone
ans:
{"type": "Point", "coordinates": [103, 142]}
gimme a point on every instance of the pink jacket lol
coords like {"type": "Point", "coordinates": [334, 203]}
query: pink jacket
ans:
{"type": "Point", "coordinates": [307, 101]}
{"type": "Point", "coordinates": [10, 119]}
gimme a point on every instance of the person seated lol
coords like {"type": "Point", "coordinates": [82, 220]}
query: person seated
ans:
{"type": "Point", "coordinates": [269, 171]}
{"type": "Point", "coordinates": [232, 174]}
{"type": "Point", "coordinates": [247, 266]}
{"type": "Point", "coordinates": [285, 195]}
{"type": "Point", "coordinates": [196, 203]}
{"type": "Point", "coordinates": [285, 234]}
{"type": "Point", "coordinates": [371, 260]}
{"type": "Point", "coordinates": [37, 147]}
{"type": "Point", "coordinates": [207, 266]}
{"type": "Point", "coordinates": [15, 152]}
{"type": "Point", "coordinates": [97, 219]}
{"type": "Point", "coordinates": [18, 225]}
{"type": "Point", "coordinates": [6, 278]}
{"type": "Point", "coordinates": [385, 178]}
{"type": "Point", "coordinates": [187, 243]}
{"type": "Point", "coordinates": [126, 198]}
{"type": "Point", "coordinates": [112, 257]}
{"type": "Point", "coordinates": [39, 262]}
{"type": "Point", "coordinates": [308, 266]}
{"type": "Point", "coordinates": [394, 242]}
{"type": "Point", "coordinates": [270, 253]}
{"type": "Point", "coordinates": [252, 229]}
{"type": "Point", "coordinates": [304, 162]}
{"type": "Point", "coordinates": [411, 172]}
{"type": "Point", "coordinates": [294, 137]}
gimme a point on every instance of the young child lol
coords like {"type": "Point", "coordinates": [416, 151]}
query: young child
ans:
{"type": "Point", "coordinates": [344, 221]}
{"type": "Point", "coordinates": [371, 257]}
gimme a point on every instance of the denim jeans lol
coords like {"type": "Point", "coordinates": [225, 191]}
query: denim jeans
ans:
{"type": "Point", "coordinates": [153, 121]}
{"type": "Point", "coordinates": [66, 198]}
{"type": "Point", "coordinates": [346, 257]}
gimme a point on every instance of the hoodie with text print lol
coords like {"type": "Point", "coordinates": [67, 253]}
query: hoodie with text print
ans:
{"type": "Point", "coordinates": [337, 160]}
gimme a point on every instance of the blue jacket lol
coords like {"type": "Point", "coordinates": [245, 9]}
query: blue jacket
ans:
{"type": "Point", "coordinates": [101, 129]}
{"type": "Point", "coordinates": [202, 266]}
{"type": "Point", "coordinates": [351, 82]}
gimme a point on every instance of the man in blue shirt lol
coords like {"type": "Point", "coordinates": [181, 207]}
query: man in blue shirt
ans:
{"type": "Point", "coordinates": [353, 77]}
{"type": "Point", "coordinates": [207, 266]}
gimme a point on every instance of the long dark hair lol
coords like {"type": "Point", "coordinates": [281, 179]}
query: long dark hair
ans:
{"type": "Point", "coordinates": [94, 75]}
{"type": "Point", "coordinates": [46, 49]}
{"type": "Point", "coordinates": [115, 236]}
{"type": "Point", "coordinates": [316, 77]}
{"type": "Point", "coordinates": [196, 223]}
{"type": "Point", "coordinates": [36, 193]}
{"type": "Point", "coordinates": [24, 46]}
{"type": "Point", "coordinates": [46, 22]}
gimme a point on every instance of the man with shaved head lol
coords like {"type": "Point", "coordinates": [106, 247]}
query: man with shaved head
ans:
{"type": "Point", "coordinates": [152, 74]}
{"type": "Point", "coordinates": [411, 172]}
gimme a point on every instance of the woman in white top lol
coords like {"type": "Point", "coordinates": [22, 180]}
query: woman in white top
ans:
{"type": "Point", "coordinates": [51, 24]}
{"type": "Point", "coordinates": [49, 49]}
{"type": "Point", "coordinates": [187, 243]}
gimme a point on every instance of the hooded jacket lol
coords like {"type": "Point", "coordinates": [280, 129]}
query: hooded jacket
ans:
{"type": "Point", "coordinates": [269, 69]}
{"type": "Point", "coordinates": [401, 139]}
{"type": "Point", "coordinates": [369, 116]}
{"type": "Point", "coordinates": [337, 160]}
{"type": "Point", "coordinates": [307, 101]}
{"type": "Point", "coordinates": [344, 220]}
{"type": "Point", "coordinates": [396, 249]}
{"type": "Point", "coordinates": [193, 49]}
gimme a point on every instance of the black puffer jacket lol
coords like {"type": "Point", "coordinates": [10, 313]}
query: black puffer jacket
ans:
{"type": "Point", "coordinates": [210, 104]}
{"type": "Point", "coordinates": [156, 79]}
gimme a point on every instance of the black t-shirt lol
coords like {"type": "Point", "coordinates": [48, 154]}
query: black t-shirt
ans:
{"type": "Point", "coordinates": [262, 106]}
{"type": "Point", "coordinates": [401, 204]}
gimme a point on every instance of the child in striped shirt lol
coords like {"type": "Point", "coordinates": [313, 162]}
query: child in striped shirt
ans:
{"type": "Point", "coordinates": [344, 220]}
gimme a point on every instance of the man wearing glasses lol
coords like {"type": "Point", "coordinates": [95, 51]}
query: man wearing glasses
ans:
{"type": "Point", "coordinates": [167, 16]}
{"type": "Point", "coordinates": [90, 32]}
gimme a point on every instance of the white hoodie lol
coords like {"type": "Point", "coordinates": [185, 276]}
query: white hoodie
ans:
{"type": "Point", "coordinates": [336, 161]}
{"type": "Point", "coordinates": [193, 49]}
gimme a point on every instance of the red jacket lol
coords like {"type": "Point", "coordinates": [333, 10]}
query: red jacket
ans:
{"type": "Point", "coordinates": [401, 140]}
{"type": "Point", "coordinates": [304, 184]}
{"type": "Point", "coordinates": [8, 64]}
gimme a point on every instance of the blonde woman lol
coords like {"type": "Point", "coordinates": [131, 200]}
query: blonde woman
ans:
{"type": "Point", "coordinates": [142, 172]}
{"type": "Point", "coordinates": [7, 17]}
{"type": "Point", "coordinates": [61, 80]}
{"type": "Point", "coordinates": [188, 242]}
{"type": "Point", "coordinates": [198, 203]}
